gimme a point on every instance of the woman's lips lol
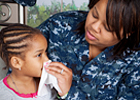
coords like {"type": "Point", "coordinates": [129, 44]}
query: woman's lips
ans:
{"type": "Point", "coordinates": [90, 36]}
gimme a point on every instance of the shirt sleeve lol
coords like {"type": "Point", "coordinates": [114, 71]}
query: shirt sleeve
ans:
{"type": "Point", "coordinates": [130, 88]}
{"type": "Point", "coordinates": [116, 80]}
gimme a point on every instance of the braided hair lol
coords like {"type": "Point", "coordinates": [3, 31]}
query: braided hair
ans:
{"type": "Point", "coordinates": [14, 41]}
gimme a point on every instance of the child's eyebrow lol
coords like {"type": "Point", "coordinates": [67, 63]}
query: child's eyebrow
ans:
{"type": "Point", "coordinates": [39, 50]}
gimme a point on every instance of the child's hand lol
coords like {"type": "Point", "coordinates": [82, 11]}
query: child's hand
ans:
{"type": "Point", "coordinates": [63, 75]}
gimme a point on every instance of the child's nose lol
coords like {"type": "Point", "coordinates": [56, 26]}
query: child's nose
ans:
{"type": "Point", "coordinates": [46, 58]}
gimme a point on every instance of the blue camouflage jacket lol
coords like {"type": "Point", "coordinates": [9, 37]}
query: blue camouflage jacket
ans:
{"type": "Point", "coordinates": [101, 78]}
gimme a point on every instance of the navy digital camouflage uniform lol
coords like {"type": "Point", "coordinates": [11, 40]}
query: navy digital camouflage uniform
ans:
{"type": "Point", "coordinates": [102, 78]}
{"type": "Point", "coordinates": [26, 2]}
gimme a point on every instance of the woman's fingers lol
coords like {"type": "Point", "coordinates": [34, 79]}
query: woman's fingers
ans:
{"type": "Point", "coordinates": [59, 65]}
{"type": "Point", "coordinates": [58, 68]}
{"type": "Point", "coordinates": [63, 75]}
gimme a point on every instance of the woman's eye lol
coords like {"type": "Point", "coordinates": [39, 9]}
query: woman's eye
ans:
{"type": "Point", "coordinates": [106, 28]}
{"type": "Point", "coordinates": [39, 55]}
{"type": "Point", "coordinates": [94, 15]}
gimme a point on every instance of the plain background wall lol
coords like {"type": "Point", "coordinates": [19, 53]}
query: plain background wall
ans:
{"type": "Point", "coordinates": [2, 71]}
{"type": "Point", "coordinates": [13, 19]}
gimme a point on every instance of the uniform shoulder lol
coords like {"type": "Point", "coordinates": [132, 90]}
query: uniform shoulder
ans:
{"type": "Point", "coordinates": [71, 14]}
{"type": "Point", "coordinates": [68, 16]}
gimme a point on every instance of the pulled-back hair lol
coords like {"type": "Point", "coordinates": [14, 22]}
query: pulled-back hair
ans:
{"type": "Point", "coordinates": [14, 41]}
{"type": "Point", "coordinates": [121, 14]}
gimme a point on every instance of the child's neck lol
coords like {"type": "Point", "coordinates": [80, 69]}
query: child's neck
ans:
{"type": "Point", "coordinates": [22, 84]}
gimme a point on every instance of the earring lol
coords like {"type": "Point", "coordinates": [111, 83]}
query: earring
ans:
{"type": "Point", "coordinates": [19, 68]}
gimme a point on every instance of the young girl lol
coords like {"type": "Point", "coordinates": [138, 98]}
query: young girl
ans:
{"type": "Point", "coordinates": [24, 50]}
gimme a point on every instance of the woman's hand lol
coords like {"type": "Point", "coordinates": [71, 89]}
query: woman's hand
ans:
{"type": "Point", "coordinates": [63, 75]}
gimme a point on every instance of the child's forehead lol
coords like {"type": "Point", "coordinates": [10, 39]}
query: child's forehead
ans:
{"type": "Point", "coordinates": [37, 37]}
{"type": "Point", "coordinates": [37, 42]}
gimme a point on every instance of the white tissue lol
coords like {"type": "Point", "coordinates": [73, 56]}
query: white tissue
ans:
{"type": "Point", "coordinates": [47, 82]}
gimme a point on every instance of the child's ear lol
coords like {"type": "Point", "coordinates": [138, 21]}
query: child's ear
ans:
{"type": "Point", "coordinates": [16, 62]}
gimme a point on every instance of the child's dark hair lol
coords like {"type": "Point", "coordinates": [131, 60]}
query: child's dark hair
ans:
{"type": "Point", "coordinates": [14, 41]}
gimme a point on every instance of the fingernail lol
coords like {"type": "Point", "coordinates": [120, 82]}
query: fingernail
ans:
{"type": "Point", "coordinates": [45, 64]}
{"type": "Point", "coordinates": [47, 69]}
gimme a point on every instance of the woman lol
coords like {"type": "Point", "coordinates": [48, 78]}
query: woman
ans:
{"type": "Point", "coordinates": [102, 51]}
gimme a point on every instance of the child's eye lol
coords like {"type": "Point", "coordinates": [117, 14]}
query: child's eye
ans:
{"type": "Point", "coordinates": [39, 55]}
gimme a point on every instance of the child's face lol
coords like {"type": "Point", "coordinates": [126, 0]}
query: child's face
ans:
{"type": "Point", "coordinates": [35, 56]}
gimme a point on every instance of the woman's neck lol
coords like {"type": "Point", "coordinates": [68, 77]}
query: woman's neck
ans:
{"type": "Point", "coordinates": [94, 51]}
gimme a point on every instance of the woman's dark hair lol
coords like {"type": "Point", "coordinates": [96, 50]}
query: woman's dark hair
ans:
{"type": "Point", "coordinates": [121, 14]}
{"type": "Point", "coordinates": [14, 41]}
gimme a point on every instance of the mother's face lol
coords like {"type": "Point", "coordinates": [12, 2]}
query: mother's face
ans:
{"type": "Point", "coordinates": [96, 30]}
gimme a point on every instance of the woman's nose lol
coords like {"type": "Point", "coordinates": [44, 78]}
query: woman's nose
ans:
{"type": "Point", "coordinates": [96, 26]}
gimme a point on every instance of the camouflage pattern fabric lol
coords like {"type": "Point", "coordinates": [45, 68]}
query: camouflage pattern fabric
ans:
{"type": "Point", "coordinates": [26, 2]}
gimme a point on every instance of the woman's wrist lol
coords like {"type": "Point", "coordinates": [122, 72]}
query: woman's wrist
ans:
{"type": "Point", "coordinates": [62, 97]}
